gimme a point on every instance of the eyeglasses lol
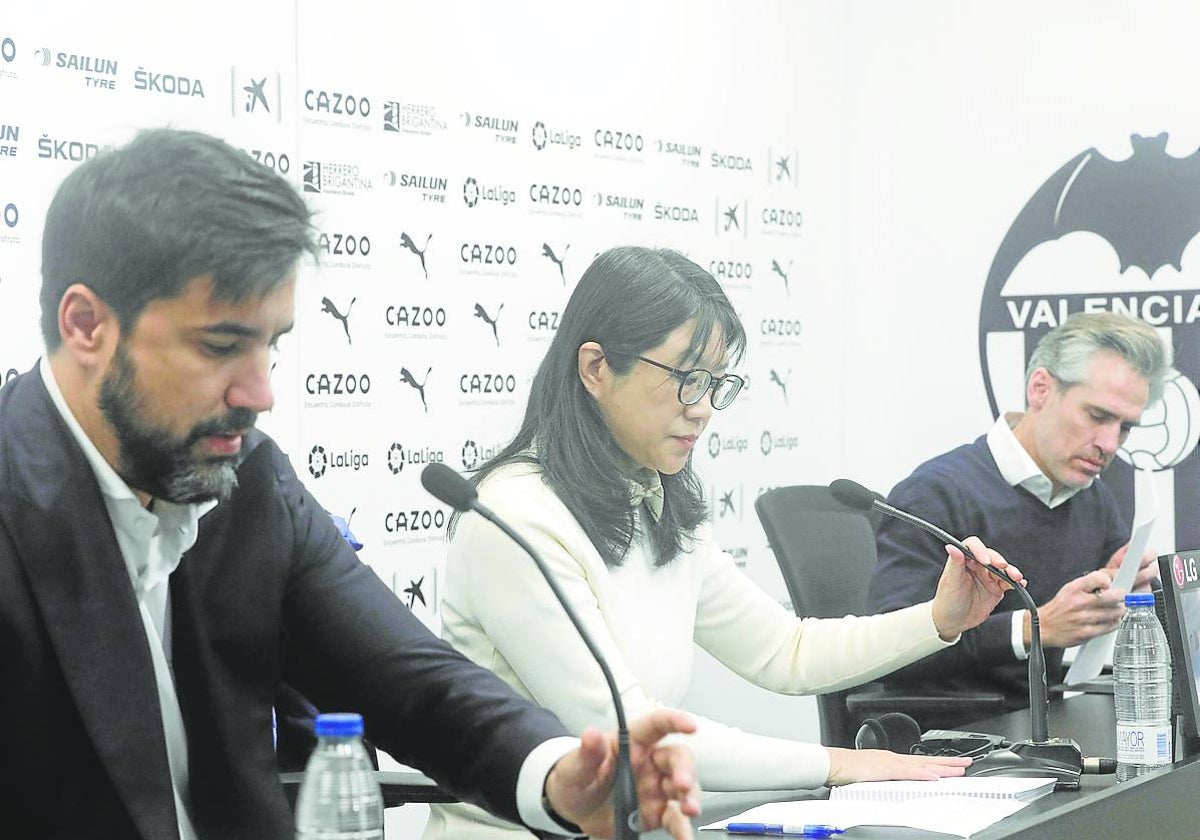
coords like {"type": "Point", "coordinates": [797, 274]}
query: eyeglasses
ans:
{"type": "Point", "coordinates": [694, 384]}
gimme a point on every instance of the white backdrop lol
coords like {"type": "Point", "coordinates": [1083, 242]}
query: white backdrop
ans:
{"type": "Point", "coordinates": [900, 141]}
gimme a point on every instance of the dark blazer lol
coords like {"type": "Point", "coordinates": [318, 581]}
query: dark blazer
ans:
{"type": "Point", "coordinates": [270, 593]}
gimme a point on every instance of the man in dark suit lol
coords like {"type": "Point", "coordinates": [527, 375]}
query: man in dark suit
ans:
{"type": "Point", "coordinates": [163, 571]}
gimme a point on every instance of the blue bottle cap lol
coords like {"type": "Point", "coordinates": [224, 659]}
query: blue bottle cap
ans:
{"type": "Point", "coordinates": [339, 724]}
{"type": "Point", "coordinates": [1139, 599]}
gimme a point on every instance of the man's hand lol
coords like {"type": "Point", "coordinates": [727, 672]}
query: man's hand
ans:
{"type": "Point", "coordinates": [846, 766]}
{"type": "Point", "coordinates": [1085, 607]}
{"type": "Point", "coordinates": [1147, 568]}
{"type": "Point", "coordinates": [967, 592]}
{"type": "Point", "coordinates": [579, 786]}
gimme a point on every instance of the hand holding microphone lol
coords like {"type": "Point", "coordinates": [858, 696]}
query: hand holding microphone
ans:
{"type": "Point", "coordinates": [970, 587]}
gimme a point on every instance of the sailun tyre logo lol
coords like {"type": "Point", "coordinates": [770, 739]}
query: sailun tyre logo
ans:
{"type": "Point", "coordinates": [1129, 227]}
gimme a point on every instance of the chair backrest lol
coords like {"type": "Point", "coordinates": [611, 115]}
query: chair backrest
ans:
{"type": "Point", "coordinates": [825, 550]}
{"type": "Point", "coordinates": [826, 554]}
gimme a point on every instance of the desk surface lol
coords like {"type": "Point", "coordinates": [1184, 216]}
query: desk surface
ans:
{"type": "Point", "coordinates": [1160, 804]}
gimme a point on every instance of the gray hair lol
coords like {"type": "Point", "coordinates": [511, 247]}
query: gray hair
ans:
{"type": "Point", "coordinates": [1066, 351]}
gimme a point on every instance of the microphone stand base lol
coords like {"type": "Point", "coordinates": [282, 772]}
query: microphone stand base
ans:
{"type": "Point", "coordinates": [1061, 758]}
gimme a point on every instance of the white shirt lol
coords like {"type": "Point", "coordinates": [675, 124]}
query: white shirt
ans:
{"type": "Point", "coordinates": [1018, 468]}
{"type": "Point", "coordinates": [152, 544]}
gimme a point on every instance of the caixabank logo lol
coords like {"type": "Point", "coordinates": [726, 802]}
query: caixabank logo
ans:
{"type": "Point", "coordinates": [254, 94]}
{"type": "Point", "coordinates": [1103, 234]}
{"type": "Point", "coordinates": [731, 218]}
{"type": "Point", "coordinates": [781, 168]}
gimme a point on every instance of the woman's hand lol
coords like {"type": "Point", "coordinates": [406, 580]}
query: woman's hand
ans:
{"type": "Point", "coordinates": [967, 592]}
{"type": "Point", "coordinates": [846, 766]}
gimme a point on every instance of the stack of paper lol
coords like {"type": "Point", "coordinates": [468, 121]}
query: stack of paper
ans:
{"type": "Point", "coordinates": [959, 806]}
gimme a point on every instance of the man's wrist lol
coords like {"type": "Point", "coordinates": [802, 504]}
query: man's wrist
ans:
{"type": "Point", "coordinates": [1020, 647]}
{"type": "Point", "coordinates": [548, 806]}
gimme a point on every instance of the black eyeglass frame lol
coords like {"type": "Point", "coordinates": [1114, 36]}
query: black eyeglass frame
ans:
{"type": "Point", "coordinates": [714, 382]}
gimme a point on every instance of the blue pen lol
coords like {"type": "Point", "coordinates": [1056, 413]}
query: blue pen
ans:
{"type": "Point", "coordinates": [765, 829]}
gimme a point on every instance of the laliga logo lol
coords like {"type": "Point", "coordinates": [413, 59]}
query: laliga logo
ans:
{"type": "Point", "coordinates": [1128, 227]}
{"type": "Point", "coordinates": [471, 192]}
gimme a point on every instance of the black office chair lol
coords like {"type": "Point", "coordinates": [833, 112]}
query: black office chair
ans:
{"type": "Point", "coordinates": [826, 553]}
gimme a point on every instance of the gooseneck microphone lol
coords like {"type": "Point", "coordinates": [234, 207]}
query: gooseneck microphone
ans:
{"type": "Point", "coordinates": [452, 489]}
{"type": "Point", "coordinates": [1061, 757]}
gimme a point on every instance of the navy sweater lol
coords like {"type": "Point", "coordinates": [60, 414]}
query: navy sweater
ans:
{"type": "Point", "coordinates": [964, 493]}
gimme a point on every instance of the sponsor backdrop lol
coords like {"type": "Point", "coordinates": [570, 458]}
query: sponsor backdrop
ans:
{"type": "Point", "coordinates": [896, 215]}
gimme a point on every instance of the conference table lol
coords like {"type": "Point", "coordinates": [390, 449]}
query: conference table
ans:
{"type": "Point", "coordinates": [1164, 805]}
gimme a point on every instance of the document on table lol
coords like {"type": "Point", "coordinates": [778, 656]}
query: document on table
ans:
{"type": "Point", "coordinates": [1097, 651]}
{"type": "Point", "coordinates": [960, 808]}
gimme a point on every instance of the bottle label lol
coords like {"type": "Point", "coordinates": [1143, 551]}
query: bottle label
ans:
{"type": "Point", "coordinates": [1143, 744]}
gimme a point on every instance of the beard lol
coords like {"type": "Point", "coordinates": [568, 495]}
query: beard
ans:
{"type": "Point", "coordinates": [152, 458]}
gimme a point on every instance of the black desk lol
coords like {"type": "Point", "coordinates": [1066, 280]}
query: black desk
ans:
{"type": "Point", "coordinates": [1164, 805]}
{"type": "Point", "coordinates": [1161, 804]}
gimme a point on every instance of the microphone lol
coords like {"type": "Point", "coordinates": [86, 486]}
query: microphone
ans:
{"type": "Point", "coordinates": [452, 489]}
{"type": "Point", "coordinates": [1060, 757]}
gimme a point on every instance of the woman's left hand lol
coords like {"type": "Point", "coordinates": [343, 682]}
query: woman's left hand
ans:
{"type": "Point", "coordinates": [848, 766]}
{"type": "Point", "coordinates": [967, 592]}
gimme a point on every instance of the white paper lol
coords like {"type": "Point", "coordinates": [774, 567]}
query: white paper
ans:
{"type": "Point", "coordinates": [1097, 651]}
{"type": "Point", "coordinates": [958, 816]}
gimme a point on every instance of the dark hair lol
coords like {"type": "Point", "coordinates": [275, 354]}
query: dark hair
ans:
{"type": "Point", "coordinates": [135, 224]}
{"type": "Point", "coordinates": [628, 301]}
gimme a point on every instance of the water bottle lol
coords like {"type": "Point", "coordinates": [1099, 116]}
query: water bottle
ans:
{"type": "Point", "coordinates": [339, 798]}
{"type": "Point", "coordinates": [1142, 689]}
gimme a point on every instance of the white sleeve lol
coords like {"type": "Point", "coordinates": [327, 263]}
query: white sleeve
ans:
{"type": "Point", "coordinates": [532, 637]}
{"type": "Point", "coordinates": [756, 637]}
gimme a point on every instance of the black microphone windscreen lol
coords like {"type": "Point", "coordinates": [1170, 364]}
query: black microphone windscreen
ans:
{"type": "Point", "coordinates": [448, 487]}
{"type": "Point", "coordinates": [852, 494]}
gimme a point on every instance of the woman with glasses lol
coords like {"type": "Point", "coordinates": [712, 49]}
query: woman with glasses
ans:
{"type": "Point", "coordinates": [599, 480]}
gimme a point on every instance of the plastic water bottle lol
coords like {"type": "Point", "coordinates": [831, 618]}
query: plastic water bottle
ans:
{"type": "Point", "coordinates": [339, 798]}
{"type": "Point", "coordinates": [1142, 689]}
